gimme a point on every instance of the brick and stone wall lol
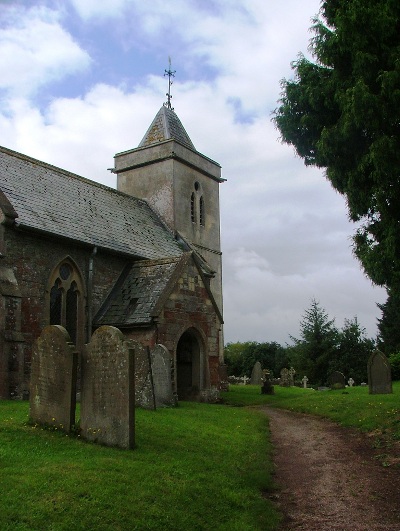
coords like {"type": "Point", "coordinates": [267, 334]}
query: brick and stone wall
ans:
{"type": "Point", "coordinates": [24, 313]}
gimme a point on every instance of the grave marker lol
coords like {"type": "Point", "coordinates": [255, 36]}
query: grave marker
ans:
{"type": "Point", "coordinates": [108, 394]}
{"type": "Point", "coordinates": [337, 380]}
{"type": "Point", "coordinates": [161, 374]}
{"type": "Point", "coordinates": [53, 379]}
{"type": "Point", "coordinates": [256, 374]}
{"type": "Point", "coordinates": [379, 374]}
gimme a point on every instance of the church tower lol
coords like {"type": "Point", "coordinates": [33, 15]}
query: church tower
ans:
{"type": "Point", "coordinates": [180, 184]}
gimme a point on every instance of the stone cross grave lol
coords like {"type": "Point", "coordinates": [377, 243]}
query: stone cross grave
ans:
{"type": "Point", "coordinates": [53, 379]}
{"type": "Point", "coordinates": [256, 374]}
{"type": "Point", "coordinates": [304, 381]}
{"type": "Point", "coordinates": [292, 372]}
{"type": "Point", "coordinates": [379, 374]}
{"type": "Point", "coordinates": [108, 389]}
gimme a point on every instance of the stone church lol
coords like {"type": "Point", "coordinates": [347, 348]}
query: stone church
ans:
{"type": "Point", "coordinates": [145, 258]}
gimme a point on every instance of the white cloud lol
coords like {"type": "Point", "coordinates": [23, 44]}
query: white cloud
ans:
{"type": "Point", "coordinates": [35, 49]}
{"type": "Point", "coordinates": [285, 234]}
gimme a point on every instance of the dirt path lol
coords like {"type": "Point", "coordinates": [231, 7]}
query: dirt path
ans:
{"type": "Point", "coordinates": [330, 478]}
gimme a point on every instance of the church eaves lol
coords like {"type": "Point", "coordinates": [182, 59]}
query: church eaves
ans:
{"type": "Point", "coordinates": [166, 126]}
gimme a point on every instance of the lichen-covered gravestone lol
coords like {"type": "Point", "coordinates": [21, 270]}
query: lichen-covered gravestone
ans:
{"type": "Point", "coordinates": [337, 380]}
{"type": "Point", "coordinates": [108, 389]}
{"type": "Point", "coordinates": [256, 374]}
{"type": "Point", "coordinates": [285, 378]}
{"type": "Point", "coordinates": [379, 374]}
{"type": "Point", "coordinates": [144, 389]}
{"type": "Point", "coordinates": [53, 379]}
{"type": "Point", "coordinates": [161, 375]}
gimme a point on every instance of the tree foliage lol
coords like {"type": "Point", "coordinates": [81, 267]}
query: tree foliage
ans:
{"type": "Point", "coordinates": [341, 112]}
{"type": "Point", "coordinates": [241, 357]}
{"type": "Point", "coordinates": [316, 346]}
{"type": "Point", "coordinates": [389, 324]}
{"type": "Point", "coordinates": [354, 349]}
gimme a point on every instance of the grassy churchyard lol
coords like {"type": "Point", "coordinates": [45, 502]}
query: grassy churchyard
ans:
{"type": "Point", "coordinates": [198, 466]}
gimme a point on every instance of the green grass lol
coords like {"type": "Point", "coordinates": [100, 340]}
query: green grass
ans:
{"type": "Point", "coordinates": [353, 406]}
{"type": "Point", "coordinates": [195, 467]}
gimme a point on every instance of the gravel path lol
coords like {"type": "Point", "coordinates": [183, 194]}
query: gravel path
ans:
{"type": "Point", "coordinates": [330, 478]}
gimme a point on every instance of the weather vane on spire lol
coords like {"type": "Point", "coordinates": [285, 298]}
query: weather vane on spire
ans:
{"type": "Point", "coordinates": [170, 73]}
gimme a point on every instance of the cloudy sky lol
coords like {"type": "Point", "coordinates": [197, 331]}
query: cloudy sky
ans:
{"type": "Point", "coordinates": [81, 80]}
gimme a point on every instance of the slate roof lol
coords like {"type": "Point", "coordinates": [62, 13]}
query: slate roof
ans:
{"type": "Point", "coordinates": [62, 204]}
{"type": "Point", "coordinates": [166, 126]}
{"type": "Point", "coordinates": [140, 291]}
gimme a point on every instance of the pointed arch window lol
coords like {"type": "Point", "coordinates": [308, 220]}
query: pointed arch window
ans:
{"type": "Point", "coordinates": [197, 209]}
{"type": "Point", "coordinates": [65, 300]}
{"type": "Point", "coordinates": [201, 210]}
{"type": "Point", "coordinates": [193, 208]}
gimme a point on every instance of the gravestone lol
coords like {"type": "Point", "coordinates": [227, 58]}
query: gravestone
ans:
{"type": "Point", "coordinates": [267, 388]}
{"type": "Point", "coordinates": [292, 372]}
{"type": "Point", "coordinates": [304, 381]}
{"type": "Point", "coordinates": [337, 380]}
{"type": "Point", "coordinates": [144, 390]}
{"type": "Point", "coordinates": [53, 379]}
{"type": "Point", "coordinates": [350, 381]}
{"type": "Point", "coordinates": [108, 393]}
{"type": "Point", "coordinates": [379, 374]}
{"type": "Point", "coordinates": [256, 374]}
{"type": "Point", "coordinates": [285, 379]}
{"type": "Point", "coordinates": [161, 375]}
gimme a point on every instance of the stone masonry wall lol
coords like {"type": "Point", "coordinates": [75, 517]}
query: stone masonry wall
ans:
{"type": "Point", "coordinates": [32, 259]}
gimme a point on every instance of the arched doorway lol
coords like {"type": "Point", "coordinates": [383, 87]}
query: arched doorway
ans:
{"type": "Point", "coordinates": [189, 366]}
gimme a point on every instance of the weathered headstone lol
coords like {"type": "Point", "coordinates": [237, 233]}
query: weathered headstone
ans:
{"type": "Point", "coordinates": [53, 379]}
{"type": "Point", "coordinates": [144, 390]}
{"type": "Point", "coordinates": [379, 374]}
{"type": "Point", "coordinates": [304, 381]}
{"type": "Point", "coordinates": [350, 381]}
{"type": "Point", "coordinates": [267, 388]}
{"type": "Point", "coordinates": [337, 380]}
{"type": "Point", "coordinates": [285, 379]}
{"type": "Point", "coordinates": [256, 374]}
{"type": "Point", "coordinates": [292, 372]}
{"type": "Point", "coordinates": [161, 375]}
{"type": "Point", "coordinates": [108, 394]}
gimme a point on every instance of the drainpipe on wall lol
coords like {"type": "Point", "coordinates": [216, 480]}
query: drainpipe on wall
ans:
{"type": "Point", "coordinates": [90, 294]}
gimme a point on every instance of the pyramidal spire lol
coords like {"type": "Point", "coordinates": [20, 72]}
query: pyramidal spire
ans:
{"type": "Point", "coordinates": [166, 125]}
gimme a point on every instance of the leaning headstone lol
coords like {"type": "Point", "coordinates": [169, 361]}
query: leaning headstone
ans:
{"type": "Point", "coordinates": [161, 375]}
{"type": "Point", "coordinates": [285, 381]}
{"type": "Point", "coordinates": [53, 379]}
{"type": "Point", "coordinates": [379, 374]}
{"type": "Point", "coordinates": [337, 380]}
{"type": "Point", "coordinates": [256, 374]}
{"type": "Point", "coordinates": [108, 394]}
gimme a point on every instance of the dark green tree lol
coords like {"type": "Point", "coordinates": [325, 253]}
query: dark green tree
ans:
{"type": "Point", "coordinates": [354, 349]}
{"type": "Point", "coordinates": [312, 353]}
{"type": "Point", "coordinates": [341, 112]}
{"type": "Point", "coordinates": [241, 357]}
{"type": "Point", "coordinates": [389, 324]}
